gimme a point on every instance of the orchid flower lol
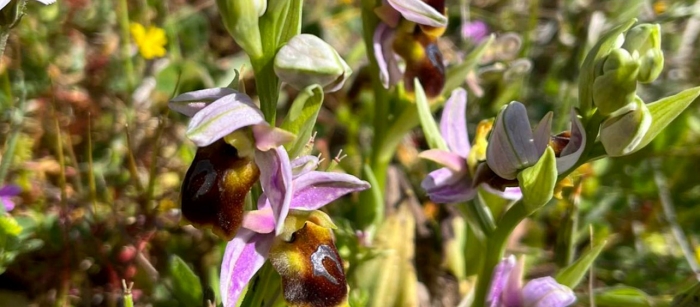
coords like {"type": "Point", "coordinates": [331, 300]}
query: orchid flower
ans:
{"type": "Point", "coordinates": [308, 191]}
{"type": "Point", "coordinates": [417, 48]}
{"type": "Point", "coordinates": [507, 288]}
{"type": "Point", "coordinates": [236, 148]}
{"type": "Point", "coordinates": [453, 183]}
{"type": "Point", "coordinates": [6, 194]}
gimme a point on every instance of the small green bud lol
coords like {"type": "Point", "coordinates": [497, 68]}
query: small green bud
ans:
{"type": "Point", "coordinates": [617, 85]}
{"type": "Point", "coordinates": [241, 20]}
{"type": "Point", "coordinates": [644, 44]}
{"type": "Point", "coordinates": [624, 130]}
{"type": "Point", "coordinates": [307, 60]}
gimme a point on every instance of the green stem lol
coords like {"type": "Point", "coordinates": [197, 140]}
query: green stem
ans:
{"type": "Point", "coordinates": [17, 120]}
{"type": "Point", "coordinates": [4, 35]}
{"type": "Point", "coordinates": [495, 248]}
{"type": "Point", "coordinates": [123, 18]}
{"type": "Point", "coordinates": [267, 86]}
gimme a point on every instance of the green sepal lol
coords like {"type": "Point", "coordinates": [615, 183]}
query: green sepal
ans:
{"type": "Point", "coordinates": [572, 275]}
{"type": "Point", "coordinates": [430, 128]}
{"type": "Point", "coordinates": [538, 181]}
{"type": "Point", "coordinates": [301, 118]}
{"type": "Point", "coordinates": [664, 111]}
{"type": "Point", "coordinates": [688, 298]}
{"type": "Point", "coordinates": [187, 287]}
{"type": "Point", "coordinates": [281, 21]}
{"type": "Point", "coordinates": [623, 296]}
{"type": "Point", "coordinates": [241, 20]}
{"type": "Point", "coordinates": [591, 65]}
{"type": "Point", "coordinates": [456, 74]}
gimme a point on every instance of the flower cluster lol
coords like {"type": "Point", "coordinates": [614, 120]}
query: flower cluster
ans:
{"type": "Point", "coordinates": [237, 148]}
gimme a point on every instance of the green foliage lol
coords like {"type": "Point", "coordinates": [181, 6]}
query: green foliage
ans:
{"type": "Point", "coordinates": [187, 287]}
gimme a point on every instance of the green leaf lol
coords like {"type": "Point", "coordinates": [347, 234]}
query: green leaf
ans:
{"type": "Point", "coordinates": [430, 128]}
{"type": "Point", "coordinates": [456, 74]}
{"type": "Point", "coordinates": [186, 285]}
{"type": "Point", "coordinates": [537, 182]}
{"type": "Point", "coordinates": [302, 117]}
{"type": "Point", "coordinates": [588, 68]}
{"type": "Point", "coordinates": [281, 21]}
{"type": "Point", "coordinates": [689, 298]}
{"type": "Point", "coordinates": [665, 110]}
{"type": "Point", "coordinates": [571, 276]}
{"type": "Point", "coordinates": [622, 296]}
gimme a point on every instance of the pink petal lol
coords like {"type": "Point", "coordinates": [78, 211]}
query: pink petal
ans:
{"type": "Point", "coordinates": [222, 117]}
{"type": "Point", "coordinates": [453, 124]}
{"type": "Point", "coordinates": [513, 193]}
{"type": "Point", "coordinates": [244, 256]}
{"type": "Point", "coordinates": [511, 145]}
{"type": "Point", "coordinates": [260, 221]}
{"type": "Point", "coordinates": [276, 181]}
{"type": "Point", "coordinates": [7, 203]}
{"type": "Point", "coordinates": [450, 160]}
{"type": "Point", "coordinates": [546, 292]}
{"type": "Point", "coordinates": [419, 12]}
{"type": "Point", "coordinates": [314, 190]}
{"type": "Point", "coordinates": [192, 102]}
{"type": "Point", "coordinates": [501, 274]}
{"type": "Point", "coordinates": [577, 143]}
{"type": "Point", "coordinates": [512, 296]}
{"type": "Point", "coordinates": [445, 186]}
{"type": "Point", "coordinates": [389, 72]}
{"type": "Point", "coordinates": [267, 137]}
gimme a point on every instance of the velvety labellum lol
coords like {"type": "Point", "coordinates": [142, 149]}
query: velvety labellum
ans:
{"type": "Point", "coordinates": [311, 269]}
{"type": "Point", "coordinates": [214, 189]}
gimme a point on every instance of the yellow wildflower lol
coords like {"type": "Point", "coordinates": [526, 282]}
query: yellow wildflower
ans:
{"type": "Point", "coordinates": [151, 42]}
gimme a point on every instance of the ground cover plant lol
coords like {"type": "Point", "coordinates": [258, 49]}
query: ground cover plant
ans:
{"type": "Point", "coordinates": [349, 153]}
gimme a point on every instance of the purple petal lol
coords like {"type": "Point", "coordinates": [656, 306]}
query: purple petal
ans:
{"type": "Point", "coordinates": [546, 292]}
{"type": "Point", "coordinates": [513, 193]}
{"type": "Point", "coordinates": [445, 186]}
{"type": "Point", "coordinates": [192, 102]}
{"type": "Point", "coordinates": [314, 189]}
{"type": "Point", "coordinates": [244, 256]}
{"type": "Point", "coordinates": [222, 117]}
{"type": "Point", "coordinates": [419, 12]}
{"type": "Point", "coordinates": [10, 190]}
{"type": "Point", "coordinates": [542, 133]}
{"type": "Point", "coordinates": [445, 158]}
{"type": "Point", "coordinates": [453, 124]}
{"type": "Point", "coordinates": [512, 296]}
{"type": "Point", "coordinates": [476, 30]}
{"type": "Point", "coordinates": [501, 274]}
{"type": "Point", "coordinates": [276, 181]}
{"type": "Point", "coordinates": [7, 203]}
{"type": "Point", "coordinates": [260, 221]}
{"type": "Point", "coordinates": [388, 14]}
{"type": "Point", "coordinates": [389, 72]}
{"type": "Point", "coordinates": [267, 137]}
{"type": "Point", "coordinates": [577, 143]}
{"type": "Point", "coordinates": [304, 164]}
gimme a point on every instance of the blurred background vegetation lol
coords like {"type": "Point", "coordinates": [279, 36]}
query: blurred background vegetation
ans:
{"type": "Point", "coordinates": [86, 134]}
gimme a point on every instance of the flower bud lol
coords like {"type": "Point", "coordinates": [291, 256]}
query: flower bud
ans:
{"type": "Point", "coordinates": [617, 85]}
{"type": "Point", "coordinates": [215, 186]}
{"type": "Point", "coordinates": [623, 131]}
{"type": "Point", "coordinates": [241, 20]}
{"type": "Point", "coordinates": [513, 146]}
{"type": "Point", "coordinates": [307, 60]}
{"type": "Point", "coordinates": [644, 44]}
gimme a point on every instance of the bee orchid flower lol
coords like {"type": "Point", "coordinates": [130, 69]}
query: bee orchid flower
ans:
{"type": "Point", "coordinates": [453, 183]}
{"type": "Point", "coordinates": [309, 190]}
